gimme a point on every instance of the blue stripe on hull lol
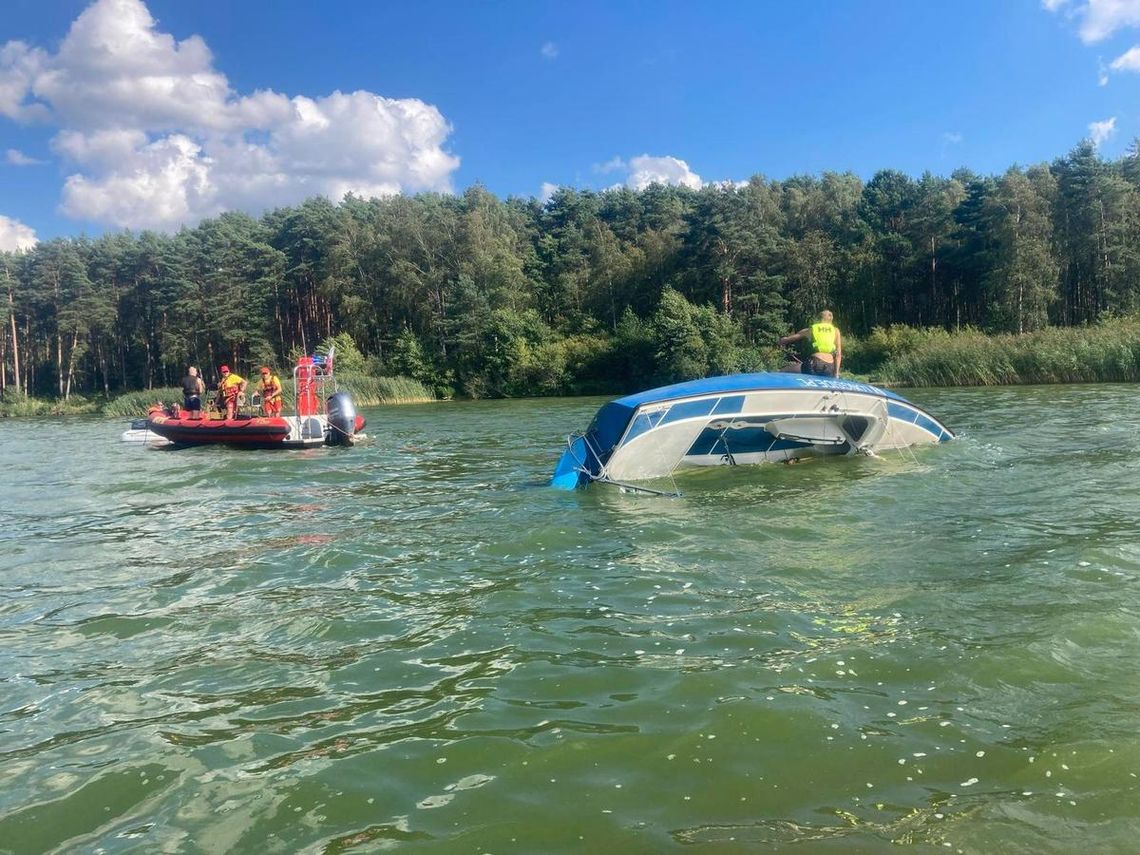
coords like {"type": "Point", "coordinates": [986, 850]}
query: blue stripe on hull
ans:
{"type": "Point", "coordinates": [739, 441]}
{"type": "Point", "coordinates": [916, 417]}
{"type": "Point", "coordinates": [644, 422]}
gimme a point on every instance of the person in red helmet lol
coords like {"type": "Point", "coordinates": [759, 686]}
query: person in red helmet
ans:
{"type": "Point", "coordinates": [229, 388]}
{"type": "Point", "coordinates": [270, 389]}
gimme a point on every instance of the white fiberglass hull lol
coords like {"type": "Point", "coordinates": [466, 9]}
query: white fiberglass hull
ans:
{"type": "Point", "coordinates": [742, 419]}
{"type": "Point", "coordinates": [771, 427]}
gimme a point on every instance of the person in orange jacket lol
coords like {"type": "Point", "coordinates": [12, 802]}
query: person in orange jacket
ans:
{"type": "Point", "coordinates": [270, 389]}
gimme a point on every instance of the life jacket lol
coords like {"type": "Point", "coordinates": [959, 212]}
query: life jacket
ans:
{"type": "Point", "coordinates": [273, 381]}
{"type": "Point", "coordinates": [191, 386]}
{"type": "Point", "coordinates": [230, 386]}
{"type": "Point", "coordinates": [823, 338]}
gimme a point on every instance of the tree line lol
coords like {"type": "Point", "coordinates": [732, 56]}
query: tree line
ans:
{"type": "Point", "coordinates": [587, 292]}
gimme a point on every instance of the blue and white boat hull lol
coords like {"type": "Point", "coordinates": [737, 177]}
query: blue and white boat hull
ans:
{"type": "Point", "coordinates": [741, 419]}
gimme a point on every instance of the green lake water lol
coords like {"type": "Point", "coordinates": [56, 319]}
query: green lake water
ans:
{"type": "Point", "coordinates": [415, 645]}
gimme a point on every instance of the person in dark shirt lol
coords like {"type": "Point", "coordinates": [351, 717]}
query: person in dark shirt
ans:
{"type": "Point", "coordinates": [193, 388]}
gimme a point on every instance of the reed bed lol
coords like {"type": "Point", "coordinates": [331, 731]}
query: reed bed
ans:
{"type": "Point", "coordinates": [133, 405]}
{"type": "Point", "coordinates": [366, 391]}
{"type": "Point", "coordinates": [1105, 353]}
{"type": "Point", "coordinates": [18, 405]}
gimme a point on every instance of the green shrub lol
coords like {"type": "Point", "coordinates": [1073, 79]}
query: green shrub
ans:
{"type": "Point", "coordinates": [590, 366]}
{"type": "Point", "coordinates": [347, 357]}
{"type": "Point", "coordinates": [16, 404]}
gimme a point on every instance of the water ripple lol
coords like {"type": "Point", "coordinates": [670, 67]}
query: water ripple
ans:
{"type": "Point", "coordinates": [413, 643]}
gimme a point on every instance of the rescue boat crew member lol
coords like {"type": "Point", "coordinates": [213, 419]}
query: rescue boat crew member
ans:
{"type": "Point", "coordinates": [229, 388]}
{"type": "Point", "coordinates": [270, 389]}
{"type": "Point", "coordinates": [826, 345]}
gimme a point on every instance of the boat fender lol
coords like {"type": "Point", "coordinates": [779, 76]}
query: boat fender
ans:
{"type": "Point", "coordinates": [342, 419]}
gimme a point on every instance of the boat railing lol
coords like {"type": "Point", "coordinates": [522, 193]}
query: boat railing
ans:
{"type": "Point", "coordinates": [601, 476]}
{"type": "Point", "coordinates": [313, 382]}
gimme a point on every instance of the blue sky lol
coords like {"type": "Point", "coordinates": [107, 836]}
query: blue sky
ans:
{"type": "Point", "coordinates": [133, 114]}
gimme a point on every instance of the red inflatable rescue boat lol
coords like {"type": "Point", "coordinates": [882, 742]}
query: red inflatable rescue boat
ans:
{"type": "Point", "coordinates": [319, 420]}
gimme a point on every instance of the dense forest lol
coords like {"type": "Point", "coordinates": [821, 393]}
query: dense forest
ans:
{"type": "Point", "coordinates": [587, 292]}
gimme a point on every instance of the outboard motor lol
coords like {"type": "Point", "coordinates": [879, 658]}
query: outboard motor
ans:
{"type": "Point", "coordinates": [342, 419]}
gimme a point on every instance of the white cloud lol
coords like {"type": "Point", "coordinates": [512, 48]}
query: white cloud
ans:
{"type": "Point", "coordinates": [548, 190]}
{"type": "Point", "coordinates": [19, 65]}
{"type": "Point", "coordinates": [15, 235]}
{"type": "Point", "coordinates": [614, 164]}
{"type": "Point", "coordinates": [646, 170]}
{"type": "Point", "coordinates": [103, 148]}
{"type": "Point", "coordinates": [1127, 61]}
{"type": "Point", "coordinates": [1101, 131]}
{"type": "Point", "coordinates": [159, 138]}
{"type": "Point", "coordinates": [1099, 18]}
{"type": "Point", "coordinates": [950, 138]}
{"type": "Point", "coordinates": [167, 183]}
{"type": "Point", "coordinates": [15, 157]}
{"type": "Point", "coordinates": [549, 50]}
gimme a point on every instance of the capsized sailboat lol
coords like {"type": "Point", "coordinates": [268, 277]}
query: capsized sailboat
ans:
{"type": "Point", "coordinates": [738, 419]}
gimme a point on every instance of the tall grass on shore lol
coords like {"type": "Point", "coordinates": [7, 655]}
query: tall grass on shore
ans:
{"type": "Point", "coordinates": [1107, 352]}
{"type": "Point", "coordinates": [16, 405]}
{"type": "Point", "coordinates": [133, 405]}
{"type": "Point", "coordinates": [366, 391]}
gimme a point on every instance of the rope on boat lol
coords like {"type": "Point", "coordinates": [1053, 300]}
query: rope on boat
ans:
{"type": "Point", "coordinates": [341, 430]}
{"type": "Point", "coordinates": [637, 488]}
{"type": "Point", "coordinates": [865, 448]}
{"type": "Point", "coordinates": [889, 432]}
{"type": "Point", "coordinates": [723, 438]}
{"type": "Point", "coordinates": [146, 437]}
{"type": "Point", "coordinates": [672, 469]}
{"type": "Point", "coordinates": [582, 468]}
{"type": "Point", "coordinates": [603, 478]}
{"type": "Point", "coordinates": [907, 448]}
{"type": "Point", "coordinates": [844, 408]}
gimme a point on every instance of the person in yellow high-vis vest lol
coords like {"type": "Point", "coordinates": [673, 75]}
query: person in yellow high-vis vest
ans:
{"type": "Point", "coordinates": [826, 345]}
